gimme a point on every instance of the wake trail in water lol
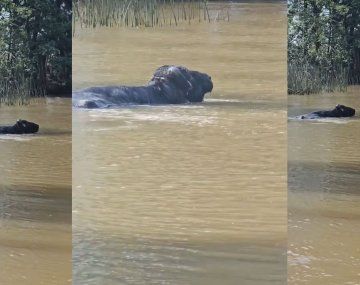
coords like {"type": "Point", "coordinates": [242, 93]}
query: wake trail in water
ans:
{"type": "Point", "coordinates": [326, 120]}
{"type": "Point", "coordinates": [18, 137]}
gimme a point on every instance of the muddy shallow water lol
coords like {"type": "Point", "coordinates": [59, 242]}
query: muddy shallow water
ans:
{"type": "Point", "coordinates": [187, 194]}
{"type": "Point", "coordinates": [35, 196]}
{"type": "Point", "coordinates": [324, 179]}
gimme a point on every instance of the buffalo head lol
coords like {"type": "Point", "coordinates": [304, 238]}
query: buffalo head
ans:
{"type": "Point", "coordinates": [180, 81]}
{"type": "Point", "coordinates": [26, 127]}
{"type": "Point", "coordinates": [343, 111]}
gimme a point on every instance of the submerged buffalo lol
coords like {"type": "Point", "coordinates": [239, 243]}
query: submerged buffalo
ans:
{"type": "Point", "coordinates": [169, 85]}
{"type": "Point", "coordinates": [340, 111]}
{"type": "Point", "coordinates": [20, 127]}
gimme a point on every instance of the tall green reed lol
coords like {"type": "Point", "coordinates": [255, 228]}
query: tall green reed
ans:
{"type": "Point", "coordinates": [306, 78]}
{"type": "Point", "coordinates": [141, 13]}
{"type": "Point", "coordinates": [18, 90]}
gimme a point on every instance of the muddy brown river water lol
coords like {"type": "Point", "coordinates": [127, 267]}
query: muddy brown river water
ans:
{"type": "Point", "coordinates": [187, 194]}
{"type": "Point", "coordinates": [324, 179]}
{"type": "Point", "coordinates": [35, 196]}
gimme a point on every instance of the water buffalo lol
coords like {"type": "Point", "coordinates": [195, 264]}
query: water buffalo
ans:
{"type": "Point", "coordinates": [339, 111]}
{"type": "Point", "coordinates": [20, 127]}
{"type": "Point", "coordinates": [169, 85]}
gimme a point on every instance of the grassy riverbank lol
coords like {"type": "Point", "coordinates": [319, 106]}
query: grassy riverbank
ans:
{"type": "Point", "coordinates": [35, 45]}
{"type": "Point", "coordinates": [143, 13]}
{"type": "Point", "coordinates": [305, 78]}
{"type": "Point", "coordinates": [323, 45]}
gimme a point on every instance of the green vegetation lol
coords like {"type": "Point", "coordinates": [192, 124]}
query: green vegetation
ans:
{"type": "Point", "coordinates": [323, 45]}
{"type": "Point", "coordinates": [145, 13]}
{"type": "Point", "coordinates": [35, 49]}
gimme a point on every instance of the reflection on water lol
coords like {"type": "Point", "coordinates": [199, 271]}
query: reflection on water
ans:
{"type": "Point", "coordinates": [189, 194]}
{"type": "Point", "coordinates": [324, 178]}
{"type": "Point", "coordinates": [35, 196]}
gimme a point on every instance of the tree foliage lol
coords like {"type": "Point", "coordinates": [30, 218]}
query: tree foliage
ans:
{"type": "Point", "coordinates": [323, 45]}
{"type": "Point", "coordinates": [35, 45]}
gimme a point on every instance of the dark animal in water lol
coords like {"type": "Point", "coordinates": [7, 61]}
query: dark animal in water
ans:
{"type": "Point", "coordinates": [20, 127]}
{"type": "Point", "coordinates": [169, 85]}
{"type": "Point", "coordinates": [339, 111]}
